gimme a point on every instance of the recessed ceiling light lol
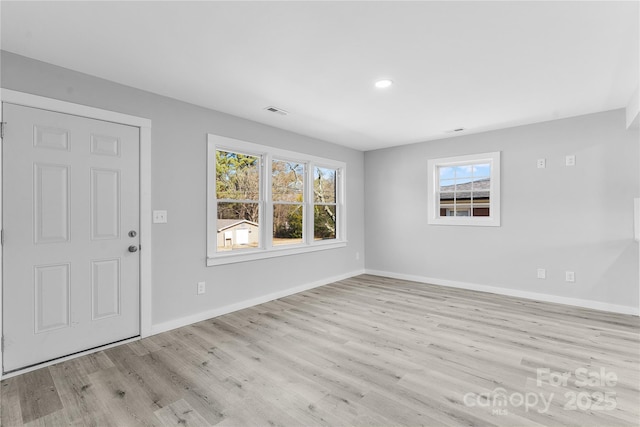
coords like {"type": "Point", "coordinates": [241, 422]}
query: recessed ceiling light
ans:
{"type": "Point", "coordinates": [383, 84]}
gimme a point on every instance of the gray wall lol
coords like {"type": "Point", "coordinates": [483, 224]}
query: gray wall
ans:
{"type": "Point", "coordinates": [178, 185]}
{"type": "Point", "coordinates": [561, 218]}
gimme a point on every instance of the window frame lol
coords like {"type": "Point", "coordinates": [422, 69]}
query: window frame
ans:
{"type": "Point", "coordinates": [266, 249]}
{"type": "Point", "coordinates": [433, 195]}
{"type": "Point", "coordinates": [312, 201]}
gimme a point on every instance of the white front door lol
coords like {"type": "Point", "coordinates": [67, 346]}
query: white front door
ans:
{"type": "Point", "coordinates": [71, 228]}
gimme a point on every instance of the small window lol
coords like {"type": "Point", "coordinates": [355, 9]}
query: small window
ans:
{"type": "Point", "coordinates": [465, 190]}
{"type": "Point", "coordinates": [269, 202]}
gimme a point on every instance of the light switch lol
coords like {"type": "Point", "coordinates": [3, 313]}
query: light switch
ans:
{"type": "Point", "coordinates": [202, 288]}
{"type": "Point", "coordinates": [570, 160]}
{"type": "Point", "coordinates": [159, 217]}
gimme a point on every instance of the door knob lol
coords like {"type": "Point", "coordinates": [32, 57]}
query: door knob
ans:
{"type": "Point", "coordinates": [133, 248]}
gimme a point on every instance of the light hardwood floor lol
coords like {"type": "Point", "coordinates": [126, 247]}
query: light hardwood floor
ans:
{"type": "Point", "coordinates": [364, 351]}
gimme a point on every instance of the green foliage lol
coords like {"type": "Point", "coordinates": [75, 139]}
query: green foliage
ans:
{"type": "Point", "coordinates": [237, 178]}
{"type": "Point", "coordinates": [287, 222]}
{"type": "Point", "coordinates": [324, 222]}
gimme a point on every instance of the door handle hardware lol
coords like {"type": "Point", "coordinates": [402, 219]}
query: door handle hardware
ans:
{"type": "Point", "coordinates": [133, 248]}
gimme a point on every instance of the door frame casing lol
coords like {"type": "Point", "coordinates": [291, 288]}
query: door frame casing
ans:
{"type": "Point", "coordinates": [144, 125]}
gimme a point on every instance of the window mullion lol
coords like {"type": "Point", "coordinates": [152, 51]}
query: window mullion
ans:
{"type": "Point", "coordinates": [306, 212]}
{"type": "Point", "coordinates": [267, 201]}
{"type": "Point", "coordinates": [307, 218]}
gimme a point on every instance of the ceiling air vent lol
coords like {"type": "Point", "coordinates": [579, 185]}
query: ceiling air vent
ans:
{"type": "Point", "coordinates": [454, 130]}
{"type": "Point", "coordinates": [276, 110]}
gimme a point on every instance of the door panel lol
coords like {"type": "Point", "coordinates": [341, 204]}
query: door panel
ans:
{"type": "Point", "coordinates": [52, 297]}
{"type": "Point", "coordinates": [51, 203]}
{"type": "Point", "coordinates": [70, 198]}
{"type": "Point", "coordinates": [52, 138]}
{"type": "Point", "coordinates": [105, 204]}
{"type": "Point", "coordinates": [105, 288]}
{"type": "Point", "coordinates": [105, 145]}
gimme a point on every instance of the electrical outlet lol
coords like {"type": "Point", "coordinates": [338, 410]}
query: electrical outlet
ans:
{"type": "Point", "coordinates": [159, 217]}
{"type": "Point", "coordinates": [570, 160]}
{"type": "Point", "coordinates": [202, 288]}
{"type": "Point", "coordinates": [542, 273]}
{"type": "Point", "coordinates": [542, 163]}
{"type": "Point", "coordinates": [569, 276]}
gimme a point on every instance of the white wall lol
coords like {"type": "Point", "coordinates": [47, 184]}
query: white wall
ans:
{"type": "Point", "coordinates": [179, 143]}
{"type": "Point", "coordinates": [560, 218]}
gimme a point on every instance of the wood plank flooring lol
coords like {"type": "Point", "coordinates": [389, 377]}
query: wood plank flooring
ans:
{"type": "Point", "coordinates": [367, 351]}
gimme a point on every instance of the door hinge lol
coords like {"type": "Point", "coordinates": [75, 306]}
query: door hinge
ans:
{"type": "Point", "coordinates": [2, 344]}
{"type": "Point", "coordinates": [1, 237]}
{"type": "Point", "coordinates": [2, 129]}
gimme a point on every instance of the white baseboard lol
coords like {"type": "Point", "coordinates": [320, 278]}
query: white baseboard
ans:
{"type": "Point", "coordinates": [198, 317]}
{"type": "Point", "coordinates": [596, 305]}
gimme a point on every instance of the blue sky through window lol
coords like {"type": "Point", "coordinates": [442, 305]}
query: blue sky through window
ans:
{"type": "Point", "coordinates": [450, 175]}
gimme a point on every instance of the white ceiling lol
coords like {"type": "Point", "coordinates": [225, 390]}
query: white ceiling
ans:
{"type": "Point", "coordinates": [474, 65]}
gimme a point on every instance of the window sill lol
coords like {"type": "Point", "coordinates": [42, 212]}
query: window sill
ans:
{"type": "Point", "coordinates": [257, 254]}
{"type": "Point", "coordinates": [484, 222]}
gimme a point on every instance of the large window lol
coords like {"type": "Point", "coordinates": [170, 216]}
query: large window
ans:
{"type": "Point", "coordinates": [265, 202]}
{"type": "Point", "coordinates": [465, 190]}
